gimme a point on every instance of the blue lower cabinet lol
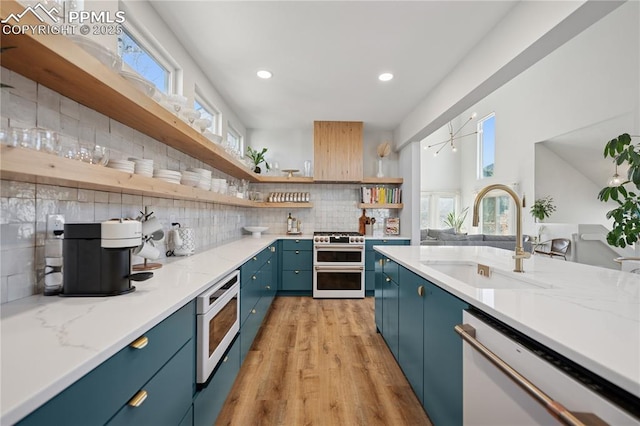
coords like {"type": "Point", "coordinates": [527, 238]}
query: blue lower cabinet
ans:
{"type": "Point", "coordinates": [97, 396]}
{"type": "Point", "coordinates": [251, 325]}
{"type": "Point", "coordinates": [378, 280]}
{"type": "Point", "coordinates": [166, 397]}
{"type": "Point", "coordinates": [390, 311]}
{"type": "Point", "coordinates": [442, 356]}
{"type": "Point", "coordinates": [411, 329]}
{"type": "Point", "coordinates": [297, 281]}
{"type": "Point", "coordinates": [209, 401]}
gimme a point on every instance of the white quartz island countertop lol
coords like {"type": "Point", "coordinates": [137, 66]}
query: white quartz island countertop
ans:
{"type": "Point", "coordinates": [50, 342]}
{"type": "Point", "coordinates": [588, 314]}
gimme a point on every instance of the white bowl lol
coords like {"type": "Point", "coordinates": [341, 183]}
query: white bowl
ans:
{"type": "Point", "coordinates": [256, 231]}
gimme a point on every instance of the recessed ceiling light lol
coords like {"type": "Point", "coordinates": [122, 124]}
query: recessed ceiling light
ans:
{"type": "Point", "coordinates": [385, 76]}
{"type": "Point", "coordinates": [264, 74]}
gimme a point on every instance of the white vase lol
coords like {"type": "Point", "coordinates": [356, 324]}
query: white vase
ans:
{"type": "Point", "coordinates": [380, 172]}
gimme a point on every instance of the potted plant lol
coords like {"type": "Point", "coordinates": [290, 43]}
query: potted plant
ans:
{"type": "Point", "coordinates": [257, 157]}
{"type": "Point", "coordinates": [456, 221]}
{"type": "Point", "coordinates": [626, 217]}
{"type": "Point", "coordinates": [542, 208]}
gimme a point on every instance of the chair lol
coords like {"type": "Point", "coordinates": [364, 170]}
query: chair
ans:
{"type": "Point", "coordinates": [559, 247]}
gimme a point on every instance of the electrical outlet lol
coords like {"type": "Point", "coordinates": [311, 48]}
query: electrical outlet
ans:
{"type": "Point", "coordinates": [55, 225]}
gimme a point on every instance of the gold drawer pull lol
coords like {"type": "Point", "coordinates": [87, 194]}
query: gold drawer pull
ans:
{"type": "Point", "coordinates": [255, 258]}
{"type": "Point", "coordinates": [138, 399]}
{"type": "Point", "coordinates": [253, 311]}
{"type": "Point", "coordinates": [226, 358]}
{"type": "Point", "coordinates": [268, 287]}
{"type": "Point", "coordinates": [253, 277]}
{"type": "Point", "coordinates": [273, 249]}
{"type": "Point", "coordinates": [269, 262]}
{"type": "Point", "coordinates": [297, 241]}
{"type": "Point", "coordinates": [140, 342]}
{"type": "Point", "coordinates": [296, 272]}
{"type": "Point", "coordinates": [388, 279]}
{"type": "Point", "coordinates": [421, 290]}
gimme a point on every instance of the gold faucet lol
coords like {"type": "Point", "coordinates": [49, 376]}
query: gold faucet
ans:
{"type": "Point", "coordinates": [519, 252]}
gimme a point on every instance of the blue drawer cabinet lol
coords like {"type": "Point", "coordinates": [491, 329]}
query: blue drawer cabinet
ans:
{"type": "Point", "coordinates": [209, 401]}
{"type": "Point", "coordinates": [249, 329]}
{"type": "Point", "coordinates": [297, 281]}
{"type": "Point", "coordinates": [297, 244]}
{"type": "Point", "coordinates": [369, 259]}
{"type": "Point", "coordinates": [297, 267]}
{"type": "Point", "coordinates": [100, 394]}
{"type": "Point", "coordinates": [379, 288]}
{"type": "Point", "coordinates": [167, 395]}
{"type": "Point", "coordinates": [390, 308]}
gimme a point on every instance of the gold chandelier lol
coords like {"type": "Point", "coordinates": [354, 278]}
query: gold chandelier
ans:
{"type": "Point", "coordinates": [453, 136]}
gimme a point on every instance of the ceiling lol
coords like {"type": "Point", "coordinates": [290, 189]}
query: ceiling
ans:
{"type": "Point", "coordinates": [325, 56]}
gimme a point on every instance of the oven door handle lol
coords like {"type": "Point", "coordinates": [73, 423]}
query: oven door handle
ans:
{"type": "Point", "coordinates": [339, 247]}
{"type": "Point", "coordinates": [339, 268]}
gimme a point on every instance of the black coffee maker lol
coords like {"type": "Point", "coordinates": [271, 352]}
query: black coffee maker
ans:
{"type": "Point", "coordinates": [97, 258]}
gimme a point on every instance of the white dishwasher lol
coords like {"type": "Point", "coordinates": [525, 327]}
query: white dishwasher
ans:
{"type": "Point", "coordinates": [510, 380]}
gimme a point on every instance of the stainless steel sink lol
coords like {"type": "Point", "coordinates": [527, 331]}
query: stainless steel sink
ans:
{"type": "Point", "coordinates": [470, 274]}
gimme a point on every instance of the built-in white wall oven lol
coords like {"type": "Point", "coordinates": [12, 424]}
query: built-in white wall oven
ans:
{"type": "Point", "coordinates": [218, 323]}
{"type": "Point", "coordinates": [338, 265]}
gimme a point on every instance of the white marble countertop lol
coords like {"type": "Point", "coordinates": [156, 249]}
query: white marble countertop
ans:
{"type": "Point", "coordinates": [50, 342]}
{"type": "Point", "coordinates": [590, 315]}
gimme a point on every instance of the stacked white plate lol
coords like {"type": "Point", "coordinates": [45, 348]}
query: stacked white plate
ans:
{"type": "Point", "coordinates": [190, 179]}
{"type": "Point", "coordinates": [170, 176]}
{"type": "Point", "coordinates": [122, 165]}
{"type": "Point", "coordinates": [143, 167]}
{"type": "Point", "coordinates": [218, 184]}
{"type": "Point", "coordinates": [205, 178]}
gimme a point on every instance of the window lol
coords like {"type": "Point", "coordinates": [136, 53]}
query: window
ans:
{"type": "Point", "coordinates": [434, 208]}
{"type": "Point", "coordinates": [207, 112]}
{"type": "Point", "coordinates": [486, 146]}
{"type": "Point", "coordinates": [143, 62]}
{"type": "Point", "coordinates": [234, 140]}
{"type": "Point", "coordinates": [496, 217]}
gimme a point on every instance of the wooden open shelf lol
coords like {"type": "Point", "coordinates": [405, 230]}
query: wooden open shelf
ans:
{"type": "Point", "coordinates": [284, 179]}
{"type": "Point", "coordinates": [380, 206]}
{"type": "Point", "coordinates": [27, 165]}
{"type": "Point", "coordinates": [383, 181]}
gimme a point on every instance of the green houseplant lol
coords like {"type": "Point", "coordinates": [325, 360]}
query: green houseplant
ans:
{"type": "Point", "coordinates": [257, 157]}
{"type": "Point", "coordinates": [626, 217]}
{"type": "Point", "coordinates": [542, 208]}
{"type": "Point", "coordinates": [456, 221]}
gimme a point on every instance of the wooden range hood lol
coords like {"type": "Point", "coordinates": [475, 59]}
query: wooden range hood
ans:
{"type": "Point", "coordinates": [337, 151]}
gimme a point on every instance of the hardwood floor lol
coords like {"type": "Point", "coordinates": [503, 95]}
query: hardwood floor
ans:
{"type": "Point", "coordinates": [321, 362]}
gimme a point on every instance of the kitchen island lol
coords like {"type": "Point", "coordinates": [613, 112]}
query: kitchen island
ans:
{"type": "Point", "coordinates": [589, 315]}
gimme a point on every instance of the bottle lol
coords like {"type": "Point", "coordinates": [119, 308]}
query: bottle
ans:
{"type": "Point", "coordinates": [299, 227]}
{"type": "Point", "coordinates": [289, 223]}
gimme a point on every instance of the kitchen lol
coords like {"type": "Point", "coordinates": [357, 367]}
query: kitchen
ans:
{"type": "Point", "coordinates": [218, 222]}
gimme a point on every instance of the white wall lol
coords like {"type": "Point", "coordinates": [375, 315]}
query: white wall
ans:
{"type": "Point", "coordinates": [442, 172]}
{"type": "Point", "coordinates": [572, 192]}
{"type": "Point", "coordinates": [579, 84]}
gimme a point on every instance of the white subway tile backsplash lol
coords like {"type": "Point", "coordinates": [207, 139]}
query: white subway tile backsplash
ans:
{"type": "Point", "coordinates": [69, 108]}
{"type": "Point", "coordinates": [23, 112]}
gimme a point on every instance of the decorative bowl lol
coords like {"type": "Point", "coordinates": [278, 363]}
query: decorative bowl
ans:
{"type": "Point", "coordinates": [256, 231]}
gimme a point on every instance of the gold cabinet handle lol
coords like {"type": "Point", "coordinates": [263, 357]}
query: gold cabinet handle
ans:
{"type": "Point", "coordinates": [273, 249]}
{"type": "Point", "coordinates": [384, 241]}
{"type": "Point", "coordinates": [421, 290]}
{"type": "Point", "coordinates": [140, 342]}
{"type": "Point", "coordinates": [226, 358]}
{"type": "Point", "coordinates": [268, 287]}
{"type": "Point", "coordinates": [297, 251]}
{"type": "Point", "coordinates": [138, 399]}
{"type": "Point", "coordinates": [253, 277]}
{"type": "Point", "coordinates": [255, 258]}
{"type": "Point", "coordinates": [296, 272]}
{"type": "Point", "coordinates": [297, 241]}
{"type": "Point", "coordinates": [389, 261]}
{"type": "Point", "coordinates": [253, 311]}
{"type": "Point", "coordinates": [388, 279]}
{"type": "Point", "coordinates": [269, 262]}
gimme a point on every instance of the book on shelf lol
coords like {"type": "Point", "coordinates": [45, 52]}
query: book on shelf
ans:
{"type": "Point", "coordinates": [381, 195]}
